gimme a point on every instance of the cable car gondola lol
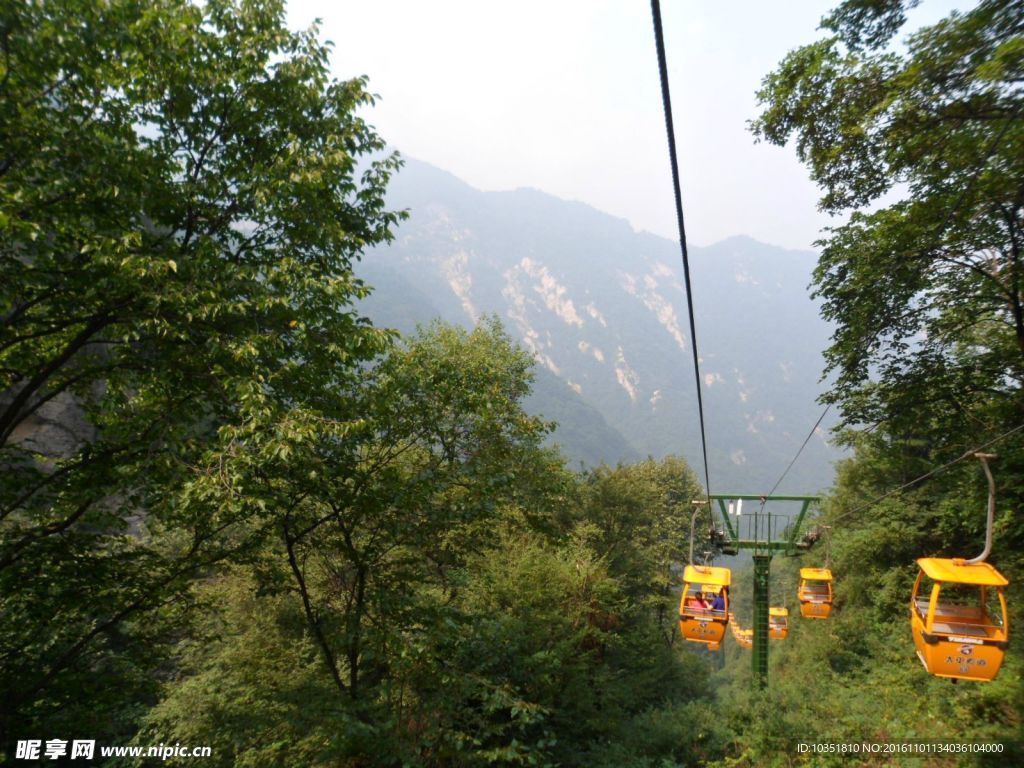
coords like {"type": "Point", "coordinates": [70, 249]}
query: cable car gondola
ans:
{"type": "Point", "coordinates": [815, 593]}
{"type": "Point", "coordinates": [704, 605]}
{"type": "Point", "coordinates": [958, 611]}
{"type": "Point", "coordinates": [745, 638]}
{"type": "Point", "coordinates": [958, 617]}
{"type": "Point", "coordinates": [778, 623]}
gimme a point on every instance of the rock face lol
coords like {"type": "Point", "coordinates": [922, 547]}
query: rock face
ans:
{"type": "Point", "coordinates": [603, 310]}
{"type": "Point", "coordinates": [56, 430]}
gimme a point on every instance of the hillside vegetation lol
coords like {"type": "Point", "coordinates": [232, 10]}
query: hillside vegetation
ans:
{"type": "Point", "coordinates": [603, 308]}
{"type": "Point", "coordinates": [236, 514]}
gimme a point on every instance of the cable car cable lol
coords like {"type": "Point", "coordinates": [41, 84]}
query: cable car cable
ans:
{"type": "Point", "coordinates": [806, 441]}
{"type": "Point", "coordinates": [670, 130]}
{"type": "Point", "coordinates": [666, 100]}
{"type": "Point", "coordinates": [967, 454]}
{"type": "Point", "coordinates": [942, 228]}
{"type": "Point", "coordinates": [695, 624]}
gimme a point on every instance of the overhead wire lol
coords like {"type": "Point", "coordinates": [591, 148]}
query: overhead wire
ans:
{"type": "Point", "coordinates": [807, 439]}
{"type": "Point", "coordinates": [966, 454]}
{"type": "Point", "coordinates": [673, 156]}
{"type": "Point", "coordinates": [666, 100]}
{"type": "Point", "coordinates": [986, 154]}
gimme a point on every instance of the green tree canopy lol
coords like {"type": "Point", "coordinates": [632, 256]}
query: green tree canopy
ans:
{"type": "Point", "coordinates": [919, 144]}
{"type": "Point", "coordinates": [180, 208]}
{"type": "Point", "coordinates": [923, 145]}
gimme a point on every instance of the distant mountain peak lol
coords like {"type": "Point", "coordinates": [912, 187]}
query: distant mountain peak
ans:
{"type": "Point", "coordinates": [602, 309]}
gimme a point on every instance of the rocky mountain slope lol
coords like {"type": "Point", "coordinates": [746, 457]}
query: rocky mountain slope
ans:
{"type": "Point", "coordinates": [602, 308]}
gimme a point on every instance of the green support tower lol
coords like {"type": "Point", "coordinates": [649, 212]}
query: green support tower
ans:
{"type": "Point", "coordinates": [762, 573]}
{"type": "Point", "coordinates": [764, 543]}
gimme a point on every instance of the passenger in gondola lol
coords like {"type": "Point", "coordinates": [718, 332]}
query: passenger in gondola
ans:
{"type": "Point", "coordinates": [718, 604]}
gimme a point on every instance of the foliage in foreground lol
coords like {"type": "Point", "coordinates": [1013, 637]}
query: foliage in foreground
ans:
{"type": "Point", "coordinates": [444, 615]}
{"type": "Point", "coordinates": [927, 296]}
{"type": "Point", "coordinates": [269, 529]}
{"type": "Point", "coordinates": [179, 215]}
{"type": "Point", "coordinates": [281, 535]}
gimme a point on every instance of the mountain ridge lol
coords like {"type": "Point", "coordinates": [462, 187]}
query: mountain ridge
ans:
{"type": "Point", "coordinates": [601, 306]}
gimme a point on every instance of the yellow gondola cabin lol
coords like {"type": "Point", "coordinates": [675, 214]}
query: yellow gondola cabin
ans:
{"type": "Point", "coordinates": [778, 623]}
{"type": "Point", "coordinates": [704, 605]}
{"type": "Point", "coordinates": [958, 617]}
{"type": "Point", "coordinates": [743, 637]}
{"type": "Point", "coordinates": [815, 593]}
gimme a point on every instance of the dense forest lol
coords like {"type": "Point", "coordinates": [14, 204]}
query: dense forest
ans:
{"type": "Point", "coordinates": [235, 514]}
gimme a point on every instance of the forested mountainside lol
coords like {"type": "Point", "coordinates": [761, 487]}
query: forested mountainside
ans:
{"type": "Point", "coordinates": [581, 431]}
{"type": "Point", "coordinates": [241, 525]}
{"type": "Point", "coordinates": [602, 308]}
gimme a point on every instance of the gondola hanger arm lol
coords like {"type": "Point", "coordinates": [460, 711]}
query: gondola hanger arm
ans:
{"type": "Point", "coordinates": [989, 524]}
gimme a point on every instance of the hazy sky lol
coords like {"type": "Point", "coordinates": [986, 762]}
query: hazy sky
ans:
{"type": "Point", "coordinates": [563, 96]}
